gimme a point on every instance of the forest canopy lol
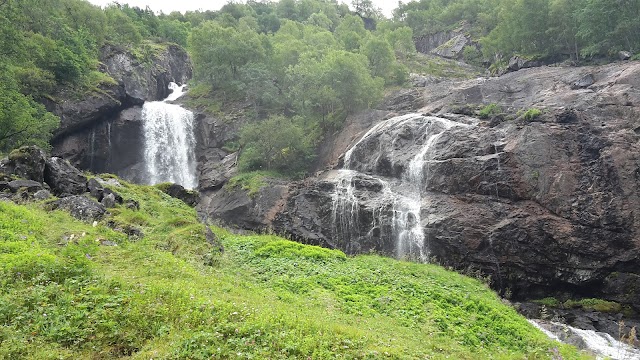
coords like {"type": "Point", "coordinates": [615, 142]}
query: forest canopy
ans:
{"type": "Point", "coordinates": [311, 61]}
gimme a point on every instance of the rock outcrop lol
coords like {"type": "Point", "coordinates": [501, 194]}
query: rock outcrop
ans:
{"type": "Point", "coordinates": [447, 44]}
{"type": "Point", "coordinates": [544, 205]}
{"type": "Point", "coordinates": [29, 174]}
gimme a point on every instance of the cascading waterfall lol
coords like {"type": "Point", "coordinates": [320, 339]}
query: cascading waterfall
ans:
{"type": "Point", "coordinates": [404, 197]}
{"type": "Point", "coordinates": [603, 345]}
{"type": "Point", "coordinates": [169, 141]}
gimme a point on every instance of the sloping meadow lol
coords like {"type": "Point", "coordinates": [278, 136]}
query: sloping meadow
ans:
{"type": "Point", "coordinates": [72, 290]}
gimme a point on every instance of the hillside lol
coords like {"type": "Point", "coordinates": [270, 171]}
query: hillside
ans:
{"type": "Point", "coordinates": [72, 290]}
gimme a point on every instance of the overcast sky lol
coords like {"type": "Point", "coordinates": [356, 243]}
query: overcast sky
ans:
{"type": "Point", "coordinates": [168, 6]}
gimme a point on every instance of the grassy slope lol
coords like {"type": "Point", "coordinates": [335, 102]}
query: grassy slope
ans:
{"type": "Point", "coordinates": [169, 296]}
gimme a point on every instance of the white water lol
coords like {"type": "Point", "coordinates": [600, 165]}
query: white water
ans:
{"type": "Point", "coordinates": [403, 197]}
{"type": "Point", "coordinates": [169, 141]}
{"type": "Point", "coordinates": [603, 345]}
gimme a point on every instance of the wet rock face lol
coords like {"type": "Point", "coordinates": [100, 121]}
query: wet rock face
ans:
{"type": "Point", "coordinates": [92, 126]}
{"type": "Point", "coordinates": [544, 207]}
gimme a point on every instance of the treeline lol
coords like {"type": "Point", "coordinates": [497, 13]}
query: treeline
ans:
{"type": "Point", "coordinates": [49, 47]}
{"type": "Point", "coordinates": [302, 65]}
{"type": "Point", "coordinates": [545, 29]}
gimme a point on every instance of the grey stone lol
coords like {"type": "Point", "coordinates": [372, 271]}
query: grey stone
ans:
{"type": "Point", "coordinates": [104, 242]}
{"type": "Point", "coordinates": [42, 195]}
{"type": "Point", "coordinates": [583, 82]}
{"type": "Point", "coordinates": [80, 207]}
{"type": "Point", "coordinates": [95, 188]}
{"type": "Point", "coordinates": [63, 178]}
{"type": "Point", "coordinates": [624, 55]}
{"type": "Point", "coordinates": [108, 200]}
{"type": "Point", "coordinates": [27, 162]}
{"type": "Point", "coordinates": [29, 185]}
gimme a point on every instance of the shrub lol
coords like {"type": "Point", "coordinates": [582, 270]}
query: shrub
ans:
{"type": "Point", "coordinates": [490, 111]}
{"type": "Point", "coordinates": [278, 143]}
{"type": "Point", "coordinates": [472, 55]}
{"type": "Point", "coordinates": [531, 114]}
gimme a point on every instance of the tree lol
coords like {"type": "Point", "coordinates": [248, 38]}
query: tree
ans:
{"type": "Point", "coordinates": [22, 120]}
{"type": "Point", "coordinates": [380, 55]}
{"type": "Point", "coordinates": [277, 143]}
{"type": "Point", "coordinates": [220, 53]}
{"type": "Point", "coordinates": [351, 32]}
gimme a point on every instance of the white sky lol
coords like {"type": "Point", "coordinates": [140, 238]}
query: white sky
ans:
{"type": "Point", "coordinates": [168, 6]}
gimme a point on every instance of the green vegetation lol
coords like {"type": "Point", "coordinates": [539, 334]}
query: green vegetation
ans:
{"type": "Point", "coordinates": [530, 114]}
{"type": "Point", "coordinates": [49, 49]}
{"type": "Point", "coordinates": [251, 182]}
{"type": "Point", "coordinates": [586, 304]}
{"type": "Point", "coordinates": [66, 295]}
{"type": "Point", "coordinates": [549, 29]}
{"type": "Point", "coordinates": [278, 143]}
{"type": "Point", "coordinates": [489, 110]}
{"type": "Point", "coordinates": [594, 304]}
{"type": "Point", "coordinates": [311, 60]}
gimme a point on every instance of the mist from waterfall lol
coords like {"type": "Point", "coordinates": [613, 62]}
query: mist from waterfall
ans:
{"type": "Point", "coordinates": [169, 141]}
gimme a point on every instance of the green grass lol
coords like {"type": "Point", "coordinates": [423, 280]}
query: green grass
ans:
{"type": "Point", "coordinates": [169, 296]}
{"type": "Point", "coordinates": [251, 181]}
{"type": "Point", "coordinates": [590, 304]}
{"type": "Point", "coordinates": [489, 111]}
{"type": "Point", "coordinates": [440, 67]}
{"type": "Point", "coordinates": [530, 114]}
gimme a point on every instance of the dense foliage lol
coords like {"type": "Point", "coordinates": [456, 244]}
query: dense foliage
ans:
{"type": "Point", "coordinates": [65, 294]}
{"type": "Point", "coordinates": [48, 48]}
{"type": "Point", "coordinates": [310, 59]}
{"type": "Point", "coordinates": [542, 28]}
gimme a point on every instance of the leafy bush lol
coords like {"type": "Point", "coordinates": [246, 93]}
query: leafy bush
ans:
{"type": "Point", "coordinates": [472, 55]}
{"type": "Point", "coordinates": [489, 111]}
{"type": "Point", "coordinates": [531, 114]}
{"type": "Point", "coordinates": [594, 304]}
{"type": "Point", "coordinates": [277, 143]}
{"type": "Point", "coordinates": [251, 182]}
{"type": "Point", "coordinates": [294, 250]}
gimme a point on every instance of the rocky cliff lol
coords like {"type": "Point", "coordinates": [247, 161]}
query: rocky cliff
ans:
{"type": "Point", "coordinates": [545, 204]}
{"type": "Point", "coordinates": [105, 125]}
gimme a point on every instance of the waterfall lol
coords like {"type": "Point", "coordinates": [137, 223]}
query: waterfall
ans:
{"type": "Point", "coordinates": [600, 344]}
{"type": "Point", "coordinates": [403, 197]}
{"type": "Point", "coordinates": [169, 141]}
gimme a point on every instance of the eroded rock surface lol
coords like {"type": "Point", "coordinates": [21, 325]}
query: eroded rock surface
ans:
{"type": "Point", "coordinates": [546, 206]}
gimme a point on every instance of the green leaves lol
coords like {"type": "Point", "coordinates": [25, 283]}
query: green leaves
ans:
{"type": "Point", "coordinates": [278, 143]}
{"type": "Point", "coordinates": [22, 120]}
{"type": "Point", "coordinates": [220, 53]}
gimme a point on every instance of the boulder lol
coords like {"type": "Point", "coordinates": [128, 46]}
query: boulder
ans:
{"type": "Point", "coordinates": [95, 188]}
{"type": "Point", "coordinates": [42, 195]}
{"type": "Point", "coordinates": [214, 174]}
{"type": "Point", "coordinates": [453, 48]}
{"type": "Point", "coordinates": [177, 191]}
{"type": "Point", "coordinates": [624, 55]}
{"type": "Point", "coordinates": [132, 204]}
{"type": "Point", "coordinates": [63, 178]}
{"type": "Point", "coordinates": [108, 200]}
{"type": "Point", "coordinates": [29, 185]}
{"type": "Point", "coordinates": [27, 162]}
{"type": "Point", "coordinates": [80, 207]}
{"type": "Point", "coordinates": [517, 62]}
{"type": "Point", "coordinates": [583, 82]}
